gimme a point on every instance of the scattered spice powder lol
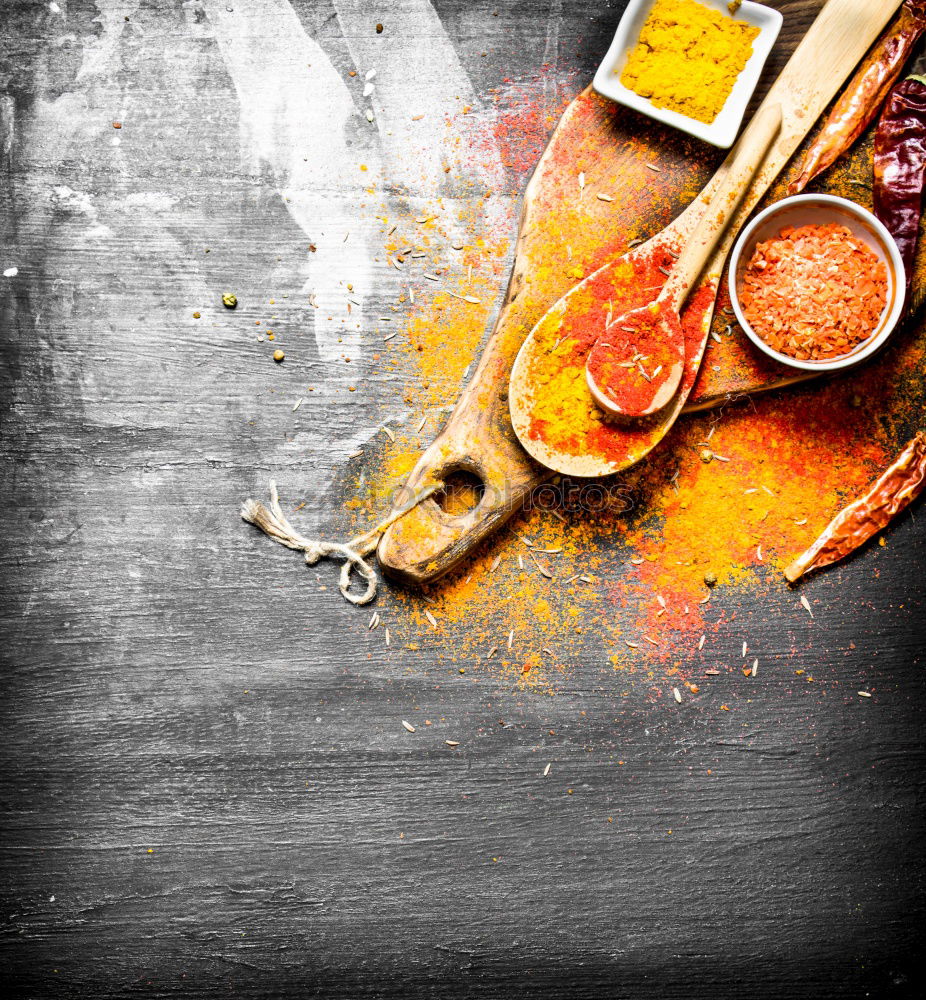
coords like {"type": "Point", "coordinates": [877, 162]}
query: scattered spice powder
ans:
{"type": "Point", "coordinates": [680, 520]}
{"type": "Point", "coordinates": [815, 292]}
{"type": "Point", "coordinates": [688, 57]}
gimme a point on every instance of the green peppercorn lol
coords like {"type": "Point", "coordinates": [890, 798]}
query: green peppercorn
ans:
{"type": "Point", "coordinates": [278, 355]}
{"type": "Point", "coordinates": [710, 578]}
{"type": "Point", "coordinates": [229, 300]}
{"type": "Point", "coordinates": [706, 455]}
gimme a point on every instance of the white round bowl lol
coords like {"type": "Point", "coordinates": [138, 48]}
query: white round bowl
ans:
{"type": "Point", "coordinates": [821, 209]}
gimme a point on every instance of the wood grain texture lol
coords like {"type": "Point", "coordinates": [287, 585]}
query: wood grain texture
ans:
{"type": "Point", "coordinates": [207, 790]}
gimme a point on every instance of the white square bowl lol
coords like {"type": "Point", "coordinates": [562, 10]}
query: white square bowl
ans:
{"type": "Point", "coordinates": [723, 129]}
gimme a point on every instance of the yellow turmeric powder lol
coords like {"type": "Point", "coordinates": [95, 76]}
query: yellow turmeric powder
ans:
{"type": "Point", "coordinates": [688, 57]}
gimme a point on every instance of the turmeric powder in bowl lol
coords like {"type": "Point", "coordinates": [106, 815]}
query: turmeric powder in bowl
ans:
{"type": "Point", "coordinates": [688, 57]}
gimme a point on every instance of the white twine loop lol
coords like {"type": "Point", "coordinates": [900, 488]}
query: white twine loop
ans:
{"type": "Point", "coordinates": [273, 523]}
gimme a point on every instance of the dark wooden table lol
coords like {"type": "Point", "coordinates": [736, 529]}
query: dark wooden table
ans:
{"type": "Point", "coordinates": [207, 790]}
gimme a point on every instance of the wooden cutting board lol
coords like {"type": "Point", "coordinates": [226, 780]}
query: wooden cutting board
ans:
{"type": "Point", "coordinates": [650, 173]}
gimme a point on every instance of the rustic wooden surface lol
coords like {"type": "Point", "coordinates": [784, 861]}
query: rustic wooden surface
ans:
{"type": "Point", "coordinates": [207, 790]}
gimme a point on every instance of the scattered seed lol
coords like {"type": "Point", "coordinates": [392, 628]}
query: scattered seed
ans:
{"type": "Point", "coordinates": [661, 600]}
{"type": "Point", "coordinates": [652, 166]}
{"type": "Point", "coordinates": [543, 569]}
{"type": "Point", "coordinates": [864, 694]}
{"type": "Point", "coordinates": [636, 561]}
{"type": "Point", "coordinates": [677, 695]}
{"type": "Point", "coordinates": [803, 520]}
{"type": "Point", "coordinates": [495, 563]}
{"type": "Point", "coordinates": [374, 621]}
{"type": "Point", "coordinates": [701, 641]}
{"type": "Point", "coordinates": [408, 726]}
{"type": "Point", "coordinates": [705, 598]}
{"type": "Point", "coordinates": [745, 647]}
{"type": "Point", "coordinates": [430, 618]}
{"type": "Point", "coordinates": [755, 667]}
{"type": "Point", "coordinates": [511, 638]}
{"type": "Point", "coordinates": [387, 432]}
{"type": "Point", "coordinates": [720, 458]}
{"type": "Point", "coordinates": [430, 277]}
{"type": "Point", "coordinates": [712, 672]}
{"type": "Point", "coordinates": [297, 404]}
{"type": "Point", "coordinates": [806, 605]}
{"type": "Point", "coordinates": [581, 181]}
{"type": "Point", "coordinates": [652, 642]}
{"type": "Point", "coordinates": [546, 770]}
{"type": "Point", "coordinates": [632, 645]}
{"type": "Point", "coordinates": [491, 652]}
{"type": "Point", "coordinates": [388, 638]}
{"type": "Point", "coordinates": [603, 197]}
{"type": "Point", "coordinates": [390, 336]}
{"type": "Point", "coordinates": [759, 551]}
{"type": "Point", "coordinates": [585, 579]}
{"type": "Point", "coordinates": [452, 743]}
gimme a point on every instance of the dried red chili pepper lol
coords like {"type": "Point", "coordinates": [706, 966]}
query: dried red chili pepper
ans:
{"type": "Point", "coordinates": [894, 490]}
{"type": "Point", "coordinates": [865, 93]}
{"type": "Point", "coordinates": [900, 166]}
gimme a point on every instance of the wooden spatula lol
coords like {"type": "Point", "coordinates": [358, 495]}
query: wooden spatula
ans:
{"type": "Point", "coordinates": [477, 439]}
{"type": "Point", "coordinates": [636, 366]}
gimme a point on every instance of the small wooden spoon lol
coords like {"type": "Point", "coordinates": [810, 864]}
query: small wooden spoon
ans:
{"type": "Point", "coordinates": [650, 336]}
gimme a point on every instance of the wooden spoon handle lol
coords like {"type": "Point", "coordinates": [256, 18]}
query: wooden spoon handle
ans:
{"type": "Point", "coordinates": [735, 176]}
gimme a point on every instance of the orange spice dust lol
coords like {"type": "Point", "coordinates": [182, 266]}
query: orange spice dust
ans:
{"type": "Point", "coordinates": [815, 292]}
{"type": "Point", "coordinates": [628, 558]}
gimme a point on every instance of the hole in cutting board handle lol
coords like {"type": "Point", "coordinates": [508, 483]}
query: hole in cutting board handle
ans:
{"type": "Point", "coordinates": [462, 492]}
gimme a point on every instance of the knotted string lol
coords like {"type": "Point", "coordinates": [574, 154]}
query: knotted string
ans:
{"type": "Point", "coordinates": [273, 523]}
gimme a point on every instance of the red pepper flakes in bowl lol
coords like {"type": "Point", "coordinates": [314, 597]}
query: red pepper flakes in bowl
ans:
{"type": "Point", "coordinates": [815, 293]}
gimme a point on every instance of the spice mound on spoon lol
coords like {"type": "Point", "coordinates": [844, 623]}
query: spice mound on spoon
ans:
{"type": "Point", "coordinates": [617, 377]}
{"type": "Point", "coordinates": [635, 369]}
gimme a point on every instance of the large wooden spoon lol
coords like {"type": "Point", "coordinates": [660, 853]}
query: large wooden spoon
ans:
{"type": "Point", "coordinates": [651, 336]}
